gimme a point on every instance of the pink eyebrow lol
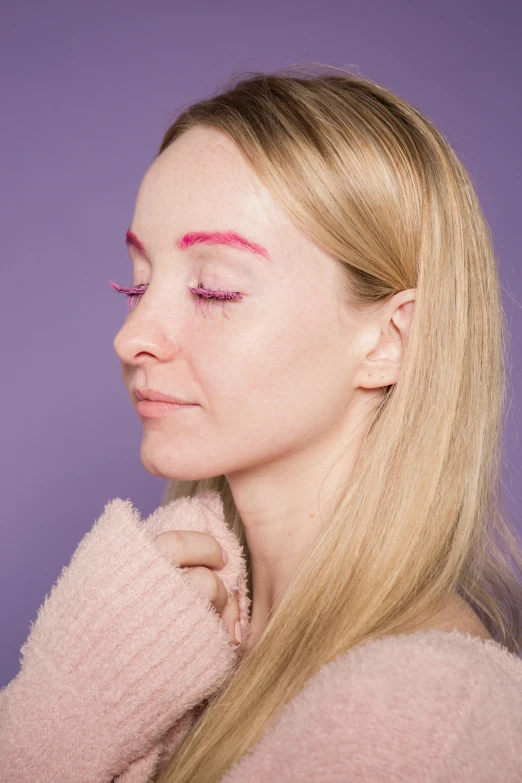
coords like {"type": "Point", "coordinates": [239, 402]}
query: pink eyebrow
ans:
{"type": "Point", "coordinates": [230, 238]}
{"type": "Point", "coordinates": [132, 239]}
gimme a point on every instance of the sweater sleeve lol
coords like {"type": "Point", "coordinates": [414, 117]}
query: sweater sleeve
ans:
{"type": "Point", "coordinates": [122, 649]}
{"type": "Point", "coordinates": [142, 769]}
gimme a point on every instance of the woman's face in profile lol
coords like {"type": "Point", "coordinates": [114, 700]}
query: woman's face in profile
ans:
{"type": "Point", "coordinates": [272, 378]}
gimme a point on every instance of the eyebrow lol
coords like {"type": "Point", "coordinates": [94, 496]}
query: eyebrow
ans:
{"type": "Point", "coordinates": [229, 238]}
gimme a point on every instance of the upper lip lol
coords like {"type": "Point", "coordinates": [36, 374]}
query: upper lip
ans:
{"type": "Point", "coordinates": [151, 394]}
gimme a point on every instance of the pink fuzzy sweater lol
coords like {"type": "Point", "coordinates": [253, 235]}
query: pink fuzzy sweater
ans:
{"type": "Point", "coordinates": [123, 650]}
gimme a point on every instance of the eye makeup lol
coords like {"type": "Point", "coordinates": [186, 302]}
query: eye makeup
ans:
{"type": "Point", "coordinates": [202, 294]}
{"type": "Point", "coordinates": [134, 293]}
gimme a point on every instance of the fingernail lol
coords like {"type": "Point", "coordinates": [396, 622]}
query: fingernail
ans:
{"type": "Point", "coordinates": [224, 556]}
{"type": "Point", "coordinates": [237, 629]}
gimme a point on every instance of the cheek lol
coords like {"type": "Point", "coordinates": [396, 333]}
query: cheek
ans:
{"type": "Point", "coordinates": [280, 369]}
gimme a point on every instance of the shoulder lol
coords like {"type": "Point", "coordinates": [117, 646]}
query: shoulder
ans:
{"type": "Point", "coordinates": [432, 701]}
{"type": "Point", "coordinates": [436, 663]}
{"type": "Point", "coordinates": [424, 706]}
{"type": "Point", "coordinates": [423, 702]}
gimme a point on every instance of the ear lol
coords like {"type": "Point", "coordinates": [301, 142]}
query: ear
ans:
{"type": "Point", "coordinates": [383, 341]}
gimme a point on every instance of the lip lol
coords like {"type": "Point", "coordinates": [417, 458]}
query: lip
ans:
{"type": "Point", "coordinates": [156, 396]}
{"type": "Point", "coordinates": [152, 409]}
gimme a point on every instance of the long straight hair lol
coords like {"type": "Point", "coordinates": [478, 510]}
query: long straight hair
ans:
{"type": "Point", "coordinates": [374, 183]}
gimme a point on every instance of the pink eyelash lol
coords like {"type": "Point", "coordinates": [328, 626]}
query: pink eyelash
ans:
{"type": "Point", "coordinates": [136, 292]}
{"type": "Point", "coordinates": [133, 293]}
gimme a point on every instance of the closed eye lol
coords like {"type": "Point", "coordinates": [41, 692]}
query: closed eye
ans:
{"type": "Point", "coordinates": [135, 293]}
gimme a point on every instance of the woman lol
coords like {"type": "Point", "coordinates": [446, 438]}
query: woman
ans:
{"type": "Point", "coordinates": [314, 280]}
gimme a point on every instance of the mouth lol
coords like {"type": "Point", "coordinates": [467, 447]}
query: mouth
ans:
{"type": "Point", "coordinates": [155, 408]}
{"type": "Point", "coordinates": [153, 404]}
{"type": "Point", "coordinates": [156, 396]}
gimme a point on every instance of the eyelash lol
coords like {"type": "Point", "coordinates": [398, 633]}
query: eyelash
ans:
{"type": "Point", "coordinates": [201, 293]}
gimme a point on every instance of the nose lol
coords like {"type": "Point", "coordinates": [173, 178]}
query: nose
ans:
{"type": "Point", "coordinates": [143, 336]}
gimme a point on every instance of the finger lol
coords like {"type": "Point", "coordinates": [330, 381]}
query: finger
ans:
{"type": "Point", "coordinates": [191, 548]}
{"type": "Point", "coordinates": [230, 615]}
{"type": "Point", "coordinates": [209, 585]}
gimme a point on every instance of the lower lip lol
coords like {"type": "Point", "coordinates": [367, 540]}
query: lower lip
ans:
{"type": "Point", "coordinates": [153, 409]}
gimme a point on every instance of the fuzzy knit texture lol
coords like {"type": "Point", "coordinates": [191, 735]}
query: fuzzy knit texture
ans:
{"type": "Point", "coordinates": [124, 651]}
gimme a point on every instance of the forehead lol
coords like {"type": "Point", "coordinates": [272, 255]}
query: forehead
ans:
{"type": "Point", "coordinates": [202, 182]}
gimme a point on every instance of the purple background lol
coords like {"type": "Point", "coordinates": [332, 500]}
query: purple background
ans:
{"type": "Point", "coordinates": [87, 91]}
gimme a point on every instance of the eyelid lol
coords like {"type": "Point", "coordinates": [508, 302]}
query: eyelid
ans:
{"type": "Point", "coordinates": [134, 294]}
{"type": "Point", "coordinates": [210, 294]}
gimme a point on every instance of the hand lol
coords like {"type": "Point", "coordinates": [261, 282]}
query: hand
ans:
{"type": "Point", "coordinates": [200, 555]}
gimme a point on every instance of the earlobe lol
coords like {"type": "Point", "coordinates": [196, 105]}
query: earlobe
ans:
{"type": "Point", "coordinates": [381, 367]}
{"type": "Point", "coordinates": [385, 374]}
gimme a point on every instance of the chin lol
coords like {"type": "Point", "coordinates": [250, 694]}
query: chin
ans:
{"type": "Point", "coordinates": [165, 467]}
{"type": "Point", "coordinates": [167, 473]}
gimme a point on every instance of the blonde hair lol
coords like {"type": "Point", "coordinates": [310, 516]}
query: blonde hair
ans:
{"type": "Point", "coordinates": [376, 185]}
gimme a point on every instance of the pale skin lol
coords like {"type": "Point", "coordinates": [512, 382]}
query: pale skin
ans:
{"type": "Point", "coordinates": [284, 386]}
